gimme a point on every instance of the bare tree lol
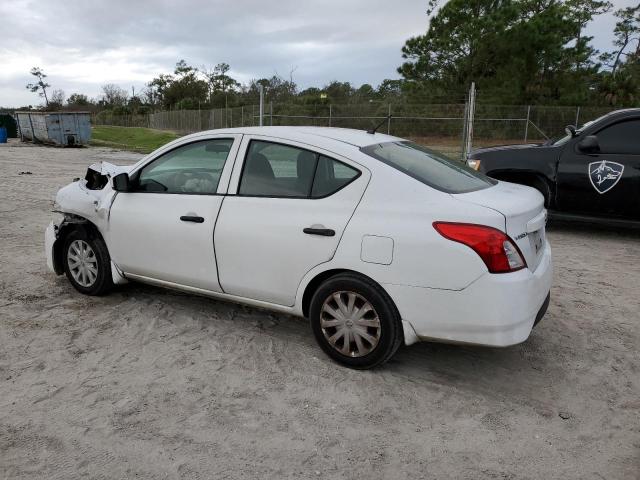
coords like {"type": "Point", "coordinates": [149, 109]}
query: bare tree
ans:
{"type": "Point", "coordinates": [57, 99]}
{"type": "Point", "coordinates": [40, 86]}
{"type": "Point", "coordinates": [113, 95]}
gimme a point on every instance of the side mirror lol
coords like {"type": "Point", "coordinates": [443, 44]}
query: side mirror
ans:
{"type": "Point", "coordinates": [121, 183]}
{"type": "Point", "coordinates": [589, 144]}
{"type": "Point", "coordinates": [570, 130]}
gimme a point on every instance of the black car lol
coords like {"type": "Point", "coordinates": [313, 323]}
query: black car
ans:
{"type": "Point", "coordinates": [593, 171]}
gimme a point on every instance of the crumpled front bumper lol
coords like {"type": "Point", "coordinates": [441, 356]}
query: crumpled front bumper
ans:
{"type": "Point", "coordinates": [50, 238]}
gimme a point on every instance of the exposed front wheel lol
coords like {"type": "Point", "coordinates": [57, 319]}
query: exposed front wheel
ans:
{"type": "Point", "coordinates": [355, 322]}
{"type": "Point", "coordinates": [87, 264]}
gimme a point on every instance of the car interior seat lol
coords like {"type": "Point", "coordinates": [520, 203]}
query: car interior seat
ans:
{"type": "Point", "coordinates": [258, 178]}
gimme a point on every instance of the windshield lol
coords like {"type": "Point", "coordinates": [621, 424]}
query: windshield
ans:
{"type": "Point", "coordinates": [429, 167]}
{"type": "Point", "coordinates": [566, 138]}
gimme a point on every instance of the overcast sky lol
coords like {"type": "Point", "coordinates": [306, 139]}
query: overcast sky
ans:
{"type": "Point", "coordinates": [82, 44]}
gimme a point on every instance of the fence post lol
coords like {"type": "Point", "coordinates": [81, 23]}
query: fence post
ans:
{"type": "Point", "coordinates": [472, 114]}
{"type": "Point", "coordinates": [329, 114]}
{"type": "Point", "coordinates": [464, 129]}
{"type": "Point", "coordinates": [271, 113]}
{"type": "Point", "coordinates": [242, 115]}
{"type": "Point", "coordinates": [261, 105]}
{"type": "Point", "coordinates": [469, 121]}
{"type": "Point", "coordinates": [389, 121]}
{"type": "Point", "coordinates": [526, 125]}
{"type": "Point", "coordinates": [577, 116]}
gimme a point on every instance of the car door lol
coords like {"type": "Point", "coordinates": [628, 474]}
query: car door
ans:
{"type": "Point", "coordinates": [602, 178]}
{"type": "Point", "coordinates": [289, 208]}
{"type": "Point", "coordinates": [163, 229]}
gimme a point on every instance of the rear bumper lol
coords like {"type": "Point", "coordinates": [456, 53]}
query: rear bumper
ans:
{"type": "Point", "coordinates": [496, 310]}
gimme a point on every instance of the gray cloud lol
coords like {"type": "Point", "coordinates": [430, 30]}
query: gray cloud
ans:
{"type": "Point", "coordinates": [84, 44]}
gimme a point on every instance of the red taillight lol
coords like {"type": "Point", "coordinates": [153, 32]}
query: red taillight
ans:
{"type": "Point", "coordinates": [499, 253]}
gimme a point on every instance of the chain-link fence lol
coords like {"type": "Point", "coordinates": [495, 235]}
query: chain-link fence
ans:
{"type": "Point", "coordinates": [440, 126]}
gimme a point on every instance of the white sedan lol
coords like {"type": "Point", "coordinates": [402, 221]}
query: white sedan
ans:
{"type": "Point", "coordinates": [377, 240]}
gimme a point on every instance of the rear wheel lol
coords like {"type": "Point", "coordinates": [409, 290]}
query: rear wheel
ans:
{"type": "Point", "coordinates": [87, 264]}
{"type": "Point", "coordinates": [355, 322]}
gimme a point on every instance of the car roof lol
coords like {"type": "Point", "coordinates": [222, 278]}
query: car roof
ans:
{"type": "Point", "coordinates": [622, 112]}
{"type": "Point", "coordinates": [625, 110]}
{"type": "Point", "coordinates": [349, 136]}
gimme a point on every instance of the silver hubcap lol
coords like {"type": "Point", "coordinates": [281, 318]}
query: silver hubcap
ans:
{"type": "Point", "coordinates": [350, 324]}
{"type": "Point", "coordinates": [83, 263]}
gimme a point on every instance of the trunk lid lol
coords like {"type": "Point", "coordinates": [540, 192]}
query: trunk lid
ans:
{"type": "Point", "coordinates": [524, 213]}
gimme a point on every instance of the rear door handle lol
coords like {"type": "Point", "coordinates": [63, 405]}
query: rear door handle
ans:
{"type": "Point", "coordinates": [191, 218]}
{"type": "Point", "coordinates": [325, 232]}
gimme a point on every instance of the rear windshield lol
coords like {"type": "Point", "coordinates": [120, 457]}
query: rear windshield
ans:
{"type": "Point", "coordinates": [429, 167]}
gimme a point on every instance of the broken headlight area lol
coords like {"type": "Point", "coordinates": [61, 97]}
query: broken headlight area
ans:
{"type": "Point", "coordinates": [95, 180]}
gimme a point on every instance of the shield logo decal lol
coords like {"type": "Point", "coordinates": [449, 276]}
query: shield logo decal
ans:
{"type": "Point", "coordinates": [605, 175]}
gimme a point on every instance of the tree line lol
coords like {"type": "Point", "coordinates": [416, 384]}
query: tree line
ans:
{"type": "Point", "coordinates": [193, 88]}
{"type": "Point", "coordinates": [516, 51]}
{"type": "Point", "coordinates": [526, 52]}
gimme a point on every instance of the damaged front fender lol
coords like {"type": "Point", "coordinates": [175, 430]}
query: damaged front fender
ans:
{"type": "Point", "coordinates": [91, 197]}
{"type": "Point", "coordinates": [84, 203]}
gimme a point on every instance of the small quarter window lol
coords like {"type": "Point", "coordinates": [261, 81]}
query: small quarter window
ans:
{"type": "Point", "coordinates": [331, 176]}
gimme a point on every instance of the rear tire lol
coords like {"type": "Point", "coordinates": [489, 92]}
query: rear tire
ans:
{"type": "Point", "coordinates": [355, 322]}
{"type": "Point", "coordinates": [87, 264]}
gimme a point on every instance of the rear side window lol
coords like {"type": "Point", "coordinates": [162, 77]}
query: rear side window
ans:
{"type": "Point", "coordinates": [429, 167]}
{"type": "Point", "coordinates": [277, 170]}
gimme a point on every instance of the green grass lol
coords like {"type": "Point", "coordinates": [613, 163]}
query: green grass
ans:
{"type": "Point", "coordinates": [135, 139]}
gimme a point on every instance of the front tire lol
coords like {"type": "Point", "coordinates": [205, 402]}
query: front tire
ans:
{"type": "Point", "coordinates": [543, 187]}
{"type": "Point", "coordinates": [87, 264]}
{"type": "Point", "coordinates": [355, 322]}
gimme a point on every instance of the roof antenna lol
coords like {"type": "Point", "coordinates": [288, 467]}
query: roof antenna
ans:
{"type": "Point", "coordinates": [374, 129]}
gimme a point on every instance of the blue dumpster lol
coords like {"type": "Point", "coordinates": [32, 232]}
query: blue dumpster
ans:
{"type": "Point", "coordinates": [56, 128]}
{"type": "Point", "coordinates": [3, 135]}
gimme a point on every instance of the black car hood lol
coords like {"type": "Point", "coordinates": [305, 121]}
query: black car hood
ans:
{"type": "Point", "coordinates": [505, 147]}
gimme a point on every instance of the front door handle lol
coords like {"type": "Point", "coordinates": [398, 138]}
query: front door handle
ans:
{"type": "Point", "coordinates": [325, 232]}
{"type": "Point", "coordinates": [191, 218]}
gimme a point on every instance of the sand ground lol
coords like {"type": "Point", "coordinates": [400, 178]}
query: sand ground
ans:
{"type": "Point", "coordinates": [150, 383]}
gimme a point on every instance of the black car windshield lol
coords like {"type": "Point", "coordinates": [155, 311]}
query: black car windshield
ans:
{"type": "Point", "coordinates": [429, 167]}
{"type": "Point", "coordinates": [566, 138]}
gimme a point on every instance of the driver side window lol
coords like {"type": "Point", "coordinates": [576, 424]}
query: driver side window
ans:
{"type": "Point", "coordinates": [620, 138]}
{"type": "Point", "coordinates": [193, 169]}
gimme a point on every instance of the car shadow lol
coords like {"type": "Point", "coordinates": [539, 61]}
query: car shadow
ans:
{"type": "Point", "coordinates": [494, 372]}
{"type": "Point", "coordinates": [602, 230]}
